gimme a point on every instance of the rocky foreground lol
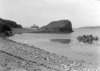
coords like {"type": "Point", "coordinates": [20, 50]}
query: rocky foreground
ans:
{"type": "Point", "coordinates": [21, 57]}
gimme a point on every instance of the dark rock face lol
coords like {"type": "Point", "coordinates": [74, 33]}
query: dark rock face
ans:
{"type": "Point", "coordinates": [19, 26]}
{"type": "Point", "coordinates": [5, 30]}
{"type": "Point", "coordinates": [87, 38]}
{"type": "Point", "coordinates": [58, 26]}
{"type": "Point", "coordinates": [6, 27]}
{"type": "Point", "coordinates": [10, 23]}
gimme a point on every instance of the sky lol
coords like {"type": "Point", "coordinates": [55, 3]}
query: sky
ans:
{"type": "Point", "coordinates": [42, 12]}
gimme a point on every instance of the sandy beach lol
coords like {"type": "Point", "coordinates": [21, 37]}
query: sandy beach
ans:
{"type": "Point", "coordinates": [21, 57]}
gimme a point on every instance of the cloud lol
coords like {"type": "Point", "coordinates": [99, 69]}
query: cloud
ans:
{"type": "Point", "coordinates": [42, 12]}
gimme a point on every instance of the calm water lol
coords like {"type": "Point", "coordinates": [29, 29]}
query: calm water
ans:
{"type": "Point", "coordinates": [74, 50]}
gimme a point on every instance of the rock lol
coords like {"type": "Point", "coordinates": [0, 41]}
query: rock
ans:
{"type": "Point", "coordinates": [19, 26]}
{"type": "Point", "coordinates": [87, 39]}
{"type": "Point", "coordinates": [6, 27]}
{"type": "Point", "coordinates": [5, 30]}
{"type": "Point", "coordinates": [58, 26]}
{"type": "Point", "coordinates": [12, 24]}
{"type": "Point", "coordinates": [96, 38]}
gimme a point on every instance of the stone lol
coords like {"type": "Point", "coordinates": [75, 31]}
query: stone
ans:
{"type": "Point", "coordinates": [87, 39]}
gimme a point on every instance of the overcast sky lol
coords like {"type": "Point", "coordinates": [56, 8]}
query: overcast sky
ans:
{"type": "Point", "coordinates": [41, 12]}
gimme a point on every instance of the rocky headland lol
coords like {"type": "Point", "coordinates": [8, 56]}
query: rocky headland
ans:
{"type": "Point", "coordinates": [61, 26]}
{"type": "Point", "coordinates": [10, 23]}
{"type": "Point", "coordinates": [6, 27]}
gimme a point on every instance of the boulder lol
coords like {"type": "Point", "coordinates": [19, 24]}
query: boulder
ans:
{"type": "Point", "coordinates": [87, 39]}
{"type": "Point", "coordinates": [58, 26]}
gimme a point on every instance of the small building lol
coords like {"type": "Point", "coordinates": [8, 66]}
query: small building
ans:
{"type": "Point", "coordinates": [35, 27]}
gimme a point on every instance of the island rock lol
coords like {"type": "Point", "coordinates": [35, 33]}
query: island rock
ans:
{"type": "Point", "coordinates": [87, 39]}
{"type": "Point", "coordinates": [58, 26]}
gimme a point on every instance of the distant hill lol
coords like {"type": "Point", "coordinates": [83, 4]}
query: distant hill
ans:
{"type": "Point", "coordinates": [91, 27]}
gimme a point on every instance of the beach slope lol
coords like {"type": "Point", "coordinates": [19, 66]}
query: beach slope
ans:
{"type": "Point", "coordinates": [21, 57]}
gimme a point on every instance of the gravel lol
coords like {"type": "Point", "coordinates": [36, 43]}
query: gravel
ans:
{"type": "Point", "coordinates": [22, 57]}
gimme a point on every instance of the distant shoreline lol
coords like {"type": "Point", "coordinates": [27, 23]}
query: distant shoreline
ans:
{"type": "Point", "coordinates": [90, 27]}
{"type": "Point", "coordinates": [29, 30]}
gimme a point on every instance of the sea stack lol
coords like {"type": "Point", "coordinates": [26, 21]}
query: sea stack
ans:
{"type": "Point", "coordinates": [58, 26]}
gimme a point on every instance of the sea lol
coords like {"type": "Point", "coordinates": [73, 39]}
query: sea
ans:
{"type": "Point", "coordinates": [74, 50]}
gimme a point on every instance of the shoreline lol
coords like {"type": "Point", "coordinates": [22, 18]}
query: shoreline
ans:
{"type": "Point", "coordinates": [42, 58]}
{"type": "Point", "coordinates": [30, 30]}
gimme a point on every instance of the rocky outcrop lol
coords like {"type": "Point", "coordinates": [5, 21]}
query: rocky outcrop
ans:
{"type": "Point", "coordinates": [10, 23]}
{"type": "Point", "coordinates": [5, 30]}
{"type": "Point", "coordinates": [87, 38]}
{"type": "Point", "coordinates": [6, 27]}
{"type": "Point", "coordinates": [58, 26]}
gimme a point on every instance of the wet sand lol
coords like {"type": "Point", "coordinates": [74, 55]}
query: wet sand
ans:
{"type": "Point", "coordinates": [21, 57]}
